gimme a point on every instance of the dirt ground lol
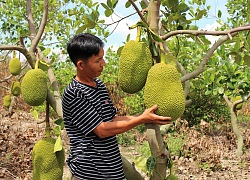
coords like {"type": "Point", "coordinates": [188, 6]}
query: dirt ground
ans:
{"type": "Point", "coordinates": [206, 155]}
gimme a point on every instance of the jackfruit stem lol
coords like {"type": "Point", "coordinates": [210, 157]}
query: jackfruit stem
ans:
{"type": "Point", "coordinates": [47, 129]}
{"type": "Point", "coordinates": [37, 63]}
{"type": "Point", "coordinates": [138, 34]}
{"type": "Point", "coordinates": [162, 58]}
{"type": "Point", "coordinates": [162, 54]}
{"type": "Point", "coordinates": [14, 54]}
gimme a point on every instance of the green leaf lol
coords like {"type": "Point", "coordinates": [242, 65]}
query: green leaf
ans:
{"type": "Point", "coordinates": [247, 60]}
{"type": "Point", "coordinates": [219, 14]}
{"type": "Point", "coordinates": [34, 113]}
{"type": "Point", "coordinates": [200, 14]}
{"type": "Point", "coordinates": [128, 4]}
{"type": "Point", "coordinates": [152, 34]}
{"type": "Point", "coordinates": [80, 29]}
{"type": "Point", "coordinates": [104, 5]}
{"type": "Point", "coordinates": [108, 12]}
{"type": "Point", "coordinates": [60, 123]}
{"type": "Point", "coordinates": [230, 86]}
{"type": "Point", "coordinates": [140, 163]}
{"type": "Point", "coordinates": [109, 3]}
{"type": "Point", "coordinates": [58, 145]}
{"type": "Point", "coordinates": [150, 164]}
{"type": "Point", "coordinates": [221, 90]}
{"type": "Point", "coordinates": [43, 65]}
{"type": "Point", "coordinates": [183, 7]}
{"type": "Point", "coordinates": [57, 130]}
{"type": "Point", "coordinates": [237, 45]}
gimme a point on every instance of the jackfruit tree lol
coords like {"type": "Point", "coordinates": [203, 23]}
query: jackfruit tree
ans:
{"type": "Point", "coordinates": [167, 25]}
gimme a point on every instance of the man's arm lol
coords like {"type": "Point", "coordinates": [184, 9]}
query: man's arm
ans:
{"type": "Point", "coordinates": [122, 124]}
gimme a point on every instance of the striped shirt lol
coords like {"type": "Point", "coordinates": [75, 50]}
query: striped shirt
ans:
{"type": "Point", "coordinates": [84, 108]}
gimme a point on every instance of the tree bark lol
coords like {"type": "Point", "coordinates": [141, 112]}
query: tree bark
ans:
{"type": "Point", "coordinates": [236, 130]}
{"type": "Point", "coordinates": [129, 170]}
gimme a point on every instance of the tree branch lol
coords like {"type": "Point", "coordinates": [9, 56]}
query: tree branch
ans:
{"type": "Point", "coordinates": [206, 58]}
{"type": "Point", "coordinates": [41, 27]}
{"type": "Point", "coordinates": [32, 27]}
{"type": "Point", "coordinates": [138, 11]}
{"type": "Point", "coordinates": [205, 32]}
{"type": "Point", "coordinates": [21, 49]}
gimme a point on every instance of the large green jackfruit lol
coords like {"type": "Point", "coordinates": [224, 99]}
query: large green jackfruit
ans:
{"type": "Point", "coordinates": [7, 100]}
{"type": "Point", "coordinates": [134, 64]}
{"type": "Point", "coordinates": [16, 88]}
{"type": "Point", "coordinates": [34, 87]}
{"type": "Point", "coordinates": [163, 87]}
{"type": "Point", "coordinates": [47, 164]}
{"type": "Point", "coordinates": [15, 66]}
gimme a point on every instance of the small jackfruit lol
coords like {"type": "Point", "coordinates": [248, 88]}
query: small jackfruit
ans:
{"type": "Point", "coordinates": [16, 88]}
{"type": "Point", "coordinates": [163, 87]}
{"type": "Point", "coordinates": [15, 66]}
{"type": "Point", "coordinates": [7, 100]}
{"type": "Point", "coordinates": [134, 64]}
{"type": "Point", "coordinates": [47, 164]}
{"type": "Point", "coordinates": [239, 106]}
{"type": "Point", "coordinates": [34, 87]}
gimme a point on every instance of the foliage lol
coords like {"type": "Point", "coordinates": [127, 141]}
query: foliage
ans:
{"type": "Point", "coordinates": [64, 72]}
{"type": "Point", "coordinates": [65, 18]}
{"type": "Point", "coordinates": [134, 103]}
{"type": "Point", "coordinates": [175, 142]}
{"type": "Point", "coordinates": [110, 72]}
{"type": "Point", "coordinates": [205, 107]}
{"type": "Point", "coordinates": [126, 139]}
{"type": "Point", "coordinates": [144, 149]}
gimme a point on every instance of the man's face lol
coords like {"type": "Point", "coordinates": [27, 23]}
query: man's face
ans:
{"type": "Point", "coordinates": [94, 66]}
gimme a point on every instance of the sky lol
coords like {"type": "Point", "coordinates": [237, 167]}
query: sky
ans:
{"type": "Point", "coordinates": [120, 34]}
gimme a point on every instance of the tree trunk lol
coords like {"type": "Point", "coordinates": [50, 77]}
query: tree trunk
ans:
{"type": "Point", "coordinates": [158, 150]}
{"type": "Point", "coordinates": [236, 129]}
{"type": "Point", "coordinates": [129, 170]}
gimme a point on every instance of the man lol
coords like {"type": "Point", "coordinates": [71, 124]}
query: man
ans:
{"type": "Point", "coordinates": [90, 117]}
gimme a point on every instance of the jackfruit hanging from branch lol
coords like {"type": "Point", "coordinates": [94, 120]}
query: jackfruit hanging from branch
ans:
{"type": "Point", "coordinates": [34, 86]}
{"type": "Point", "coordinates": [7, 100]}
{"type": "Point", "coordinates": [15, 66]}
{"type": "Point", "coordinates": [16, 88]}
{"type": "Point", "coordinates": [163, 87]}
{"type": "Point", "coordinates": [134, 64]}
{"type": "Point", "coordinates": [47, 164]}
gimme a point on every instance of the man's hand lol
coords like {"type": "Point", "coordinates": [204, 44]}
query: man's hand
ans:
{"type": "Point", "coordinates": [149, 116]}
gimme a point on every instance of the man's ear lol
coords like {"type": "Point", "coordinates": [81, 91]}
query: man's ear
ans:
{"type": "Point", "coordinates": [79, 64]}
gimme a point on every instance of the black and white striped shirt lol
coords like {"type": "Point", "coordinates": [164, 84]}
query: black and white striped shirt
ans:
{"type": "Point", "coordinates": [84, 108]}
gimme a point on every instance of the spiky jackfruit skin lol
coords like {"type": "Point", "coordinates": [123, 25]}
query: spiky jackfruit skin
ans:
{"type": "Point", "coordinates": [15, 66]}
{"type": "Point", "coordinates": [16, 88]}
{"type": "Point", "coordinates": [47, 165]}
{"type": "Point", "coordinates": [163, 87]}
{"type": "Point", "coordinates": [134, 64]}
{"type": "Point", "coordinates": [34, 87]}
{"type": "Point", "coordinates": [7, 100]}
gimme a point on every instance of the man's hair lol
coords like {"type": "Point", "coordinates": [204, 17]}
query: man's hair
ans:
{"type": "Point", "coordinates": [83, 46]}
